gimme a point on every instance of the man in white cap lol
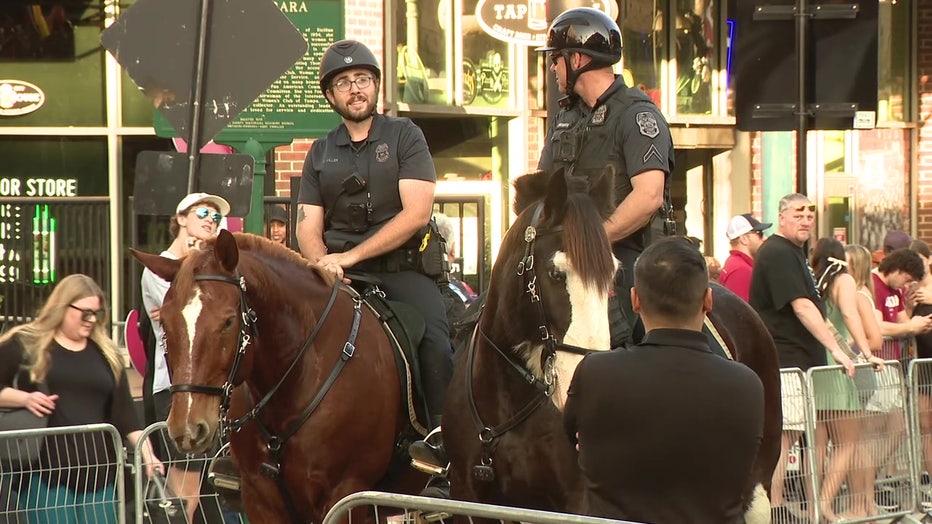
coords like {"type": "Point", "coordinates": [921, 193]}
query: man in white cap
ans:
{"type": "Point", "coordinates": [197, 219]}
{"type": "Point", "coordinates": [746, 235]}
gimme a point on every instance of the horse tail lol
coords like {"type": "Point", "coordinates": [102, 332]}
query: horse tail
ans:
{"type": "Point", "coordinates": [586, 242]}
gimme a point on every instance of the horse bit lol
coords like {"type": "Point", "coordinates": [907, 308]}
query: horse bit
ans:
{"type": "Point", "coordinates": [487, 435]}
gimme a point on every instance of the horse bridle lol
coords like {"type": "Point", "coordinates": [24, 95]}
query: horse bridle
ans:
{"type": "Point", "coordinates": [527, 271]}
{"type": "Point", "coordinates": [248, 330]}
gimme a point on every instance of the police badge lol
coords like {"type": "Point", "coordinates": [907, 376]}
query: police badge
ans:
{"type": "Point", "coordinates": [381, 152]}
{"type": "Point", "coordinates": [647, 124]}
{"type": "Point", "coordinates": [598, 116]}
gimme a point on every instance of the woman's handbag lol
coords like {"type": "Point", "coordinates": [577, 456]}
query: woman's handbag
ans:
{"type": "Point", "coordinates": [20, 452]}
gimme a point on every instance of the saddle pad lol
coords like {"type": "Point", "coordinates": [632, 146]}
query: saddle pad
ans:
{"type": "Point", "coordinates": [405, 328]}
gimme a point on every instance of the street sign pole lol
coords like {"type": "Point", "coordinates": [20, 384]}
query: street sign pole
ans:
{"type": "Point", "coordinates": [197, 92]}
{"type": "Point", "coordinates": [802, 112]}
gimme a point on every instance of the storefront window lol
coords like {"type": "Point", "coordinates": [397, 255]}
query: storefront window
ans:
{"type": "Point", "coordinates": [488, 65]}
{"type": "Point", "coordinates": [694, 44]}
{"type": "Point", "coordinates": [467, 147]}
{"type": "Point", "coordinates": [893, 64]}
{"type": "Point", "coordinates": [424, 51]}
{"type": "Point", "coordinates": [53, 166]}
{"type": "Point", "coordinates": [883, 190]}
{"type": "Point", "coordinates": [537, 69]}
{"type": "Point", "coordinates": [55, 46]}
{"type": "Point", "coordinates": [643, 39]}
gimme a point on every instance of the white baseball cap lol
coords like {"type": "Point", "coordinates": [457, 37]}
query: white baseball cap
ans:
{"type": "Point", "coordinates": [741, 224]}
{"type": "Point", "coordinates": [222, 205]}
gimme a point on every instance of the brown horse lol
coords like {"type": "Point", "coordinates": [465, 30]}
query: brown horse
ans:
{"type": "Point", "coordinates": [320, 370]}
{"type": "Point", "coordinates": [547, 298]}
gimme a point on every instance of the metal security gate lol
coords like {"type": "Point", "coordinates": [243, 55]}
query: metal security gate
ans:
{"type": "Point", "coordinates": [407, 509]}
{"type": "Point", "coordinates": [43, 240]}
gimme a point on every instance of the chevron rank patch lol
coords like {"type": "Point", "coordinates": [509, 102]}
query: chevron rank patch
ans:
{"type": "Point", "coordinates": [647, 124]}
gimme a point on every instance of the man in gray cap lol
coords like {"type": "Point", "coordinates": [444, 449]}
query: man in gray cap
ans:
{"type": "Point", "coordinates": [746, 235]}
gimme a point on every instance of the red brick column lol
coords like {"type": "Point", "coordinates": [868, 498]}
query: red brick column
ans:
{"type": "Point", "coordinates": [923, 155]}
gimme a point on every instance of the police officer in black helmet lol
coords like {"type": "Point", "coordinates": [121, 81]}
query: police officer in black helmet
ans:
{"type": "Point", "coordinates": [604, 122]}
{"type": "Point", "coordinates": [366, 195]}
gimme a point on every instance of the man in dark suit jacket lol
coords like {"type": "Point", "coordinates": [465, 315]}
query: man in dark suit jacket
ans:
{"type": "Point", "coordinates": [667, 431]}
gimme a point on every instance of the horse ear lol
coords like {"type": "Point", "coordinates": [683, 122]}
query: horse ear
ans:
{"type": "Point", "coordinates": [165, 268]}
{"type": "Point", "coordinates": [225, 250]}
{"type": "Point", "coordinates": [603, 190]}
{"type": "Point", "coordinates": [530, 188]}
{"type": "Point", "coordinates": [555, 200]}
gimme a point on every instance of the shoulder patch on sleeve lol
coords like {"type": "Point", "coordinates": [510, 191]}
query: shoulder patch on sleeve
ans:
{"type": "Point", "coordinates": [647, 124]}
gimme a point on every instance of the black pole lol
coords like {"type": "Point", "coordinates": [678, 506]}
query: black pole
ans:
{"type": "Point", "coordinates": [197, 95]}
{"type": "Point", "coordinates": [802, 115]}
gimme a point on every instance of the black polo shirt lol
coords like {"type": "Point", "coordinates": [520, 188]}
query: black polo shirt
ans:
{"type": "Point", "coordinates": [780, 275]}
{"type": "Point", "coordinates": [624, 129]}
{"type": "Point", "coordinates": [668, 431]}
{"type": "Point", "coordinates": [395, 149]}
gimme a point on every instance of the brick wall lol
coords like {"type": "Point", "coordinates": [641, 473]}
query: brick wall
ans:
{"type": "Point", "coordinates": [363, 23]}
{"type": "Point", "coordinates": [924, 150]}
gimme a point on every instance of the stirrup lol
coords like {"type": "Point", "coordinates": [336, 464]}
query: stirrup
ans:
{"type": "Point", "coordinates": [429, 458]}
{"type": "Point", "coordinates": [225, 478]}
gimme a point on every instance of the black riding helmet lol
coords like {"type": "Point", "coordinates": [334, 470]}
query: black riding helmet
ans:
{"type": "Point", "coordinates": [343, 55]}
{"type": "Point", "coordinates": [588, 31]}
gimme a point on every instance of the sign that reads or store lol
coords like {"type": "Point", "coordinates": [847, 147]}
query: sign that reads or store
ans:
{"type": "Point", "coordinates": [39, 187]}
{"type": "Point", "coordinates": [19, 98]}
{"type": "Point", "coordinates": [524, 22]}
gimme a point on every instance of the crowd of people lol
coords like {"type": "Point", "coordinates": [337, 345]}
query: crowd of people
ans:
{"type": "Point", "coordinates": [825, 304]}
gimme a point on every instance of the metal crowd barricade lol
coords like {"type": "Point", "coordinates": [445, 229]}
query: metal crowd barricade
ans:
{"type": "Point", "coordinates": [799, 430]}
{"type": "Point", "coordinates": [862, 446]}
{"type": "Point", "coordinates": [408, 509]}
{"type": "Point", "coordinates": [920, 392]}
{"type": "Point", "coordinates": [158, 501]}
{"type": "Point", "coordinates": [90, 464]}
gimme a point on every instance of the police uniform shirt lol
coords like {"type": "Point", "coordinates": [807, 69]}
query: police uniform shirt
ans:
{"type": "Point", "coordinates": [668, 431]}
{"type": "Point", "coordinates": [624, 129]}
{"type": "Point", "coordinates": [395, 149]}
{"type": "Point", "coordinates": [780, 275]}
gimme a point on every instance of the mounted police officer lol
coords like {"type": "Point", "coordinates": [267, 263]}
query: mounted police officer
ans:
{"type": "Point", "coordinates": [366, 196]}
{"type": "Point", "coordinates": [604, 122]}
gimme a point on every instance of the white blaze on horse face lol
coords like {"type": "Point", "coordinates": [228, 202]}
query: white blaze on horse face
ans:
{"type": "Point", "coordinates": [588, 325]}
{"type": "Point", "coordinates": [190, 313]}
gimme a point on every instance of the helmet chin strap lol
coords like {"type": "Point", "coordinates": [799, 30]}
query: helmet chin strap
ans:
{"type": "Point", "coordinates": [573, 74]}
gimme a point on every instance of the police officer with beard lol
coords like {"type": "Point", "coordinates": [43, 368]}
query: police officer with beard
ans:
{"type": "Point", "coordinates": [366, 196]}
{"type": "Point", "coordinates": [604, 122]}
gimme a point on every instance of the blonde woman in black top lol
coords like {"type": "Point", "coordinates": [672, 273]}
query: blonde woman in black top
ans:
{"type": "Point", "coordinates": [67, 349]}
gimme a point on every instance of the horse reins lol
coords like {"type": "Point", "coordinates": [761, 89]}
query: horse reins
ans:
{"type": "Point", "coordinates": [487, 435]}
{"type": "Point", "coordinates": [274, 443]}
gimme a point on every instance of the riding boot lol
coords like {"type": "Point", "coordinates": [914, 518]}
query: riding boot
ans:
{"type": "Point", "coordinates": [429, 456]}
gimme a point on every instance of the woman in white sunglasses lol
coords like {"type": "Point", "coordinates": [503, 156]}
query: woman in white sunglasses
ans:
{"type": "Point", "coordinates": [197, 219]}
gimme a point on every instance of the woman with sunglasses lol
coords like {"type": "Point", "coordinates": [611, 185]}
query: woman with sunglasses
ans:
{"type": "Point", "coordinates": [68, 369]}
{"type": "Point", "coordinates": [198, 219]}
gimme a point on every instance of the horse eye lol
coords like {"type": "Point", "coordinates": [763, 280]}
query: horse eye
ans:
{"type": "Point", "coordinates": [557, 274]}
{"type": "Point", "coordinates": [228, 324]}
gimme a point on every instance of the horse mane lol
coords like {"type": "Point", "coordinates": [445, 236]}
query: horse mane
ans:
{"type": "Point", "coordinates": [258, 246]}
{"type": "Point", "coordinates": [581, 216]}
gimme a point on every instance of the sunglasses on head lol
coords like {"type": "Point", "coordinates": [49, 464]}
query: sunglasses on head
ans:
{"type": "Point", "coordinates": [810, 207]}
{"type": "Point", "coordinates": [203, 212]}
{"type": "Point", "coordinates": [87, 314]}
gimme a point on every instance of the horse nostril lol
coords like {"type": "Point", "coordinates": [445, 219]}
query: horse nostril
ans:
{"type": "Point", "coordinates": [201, 432]}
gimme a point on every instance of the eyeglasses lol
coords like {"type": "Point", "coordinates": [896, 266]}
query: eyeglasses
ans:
{"type": "Point", "coordinates": [343, 85]}
{"type": "Point", "coordinates": [203, 212]}
{"type": "Point", "coordinates": [554, 57]}
{"type": "Point", "coordinates": [87, 314]}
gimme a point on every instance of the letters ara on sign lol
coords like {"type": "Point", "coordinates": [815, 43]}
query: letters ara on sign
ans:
{"type": "Point", "coordinates": [19, 98]}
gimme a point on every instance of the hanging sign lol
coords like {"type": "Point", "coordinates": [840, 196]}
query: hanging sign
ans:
{"type": "Point", "coordinates": [525, 22]}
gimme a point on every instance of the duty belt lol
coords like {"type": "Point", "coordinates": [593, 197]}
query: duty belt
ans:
{"type": "Point", "coordinates": [391, 262]}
